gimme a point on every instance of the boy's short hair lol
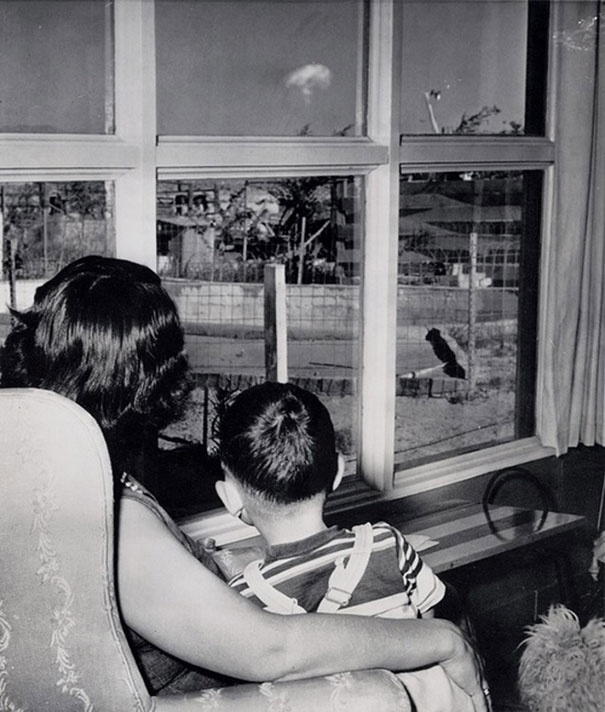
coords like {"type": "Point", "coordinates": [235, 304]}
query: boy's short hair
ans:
{"type": "Point", "coordinates": [278, 441]}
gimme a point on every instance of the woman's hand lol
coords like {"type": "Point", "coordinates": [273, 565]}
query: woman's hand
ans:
{"type": "Point", "coordinates": [465, 668]}
{"type": "Point", "coordinates": [173, 602]}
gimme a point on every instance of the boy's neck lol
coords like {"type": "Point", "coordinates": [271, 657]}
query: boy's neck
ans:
{"type": "Point", "coordinates": [305, 521]}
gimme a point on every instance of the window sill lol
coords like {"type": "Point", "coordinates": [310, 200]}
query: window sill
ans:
{"type": "Point", "coordinates": [464, 467]}
{"type": "Point", "coordinates": [224, 529]}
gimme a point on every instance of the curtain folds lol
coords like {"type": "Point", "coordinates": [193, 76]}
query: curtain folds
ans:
{"type": "Point", "coordinates": [571, 386]}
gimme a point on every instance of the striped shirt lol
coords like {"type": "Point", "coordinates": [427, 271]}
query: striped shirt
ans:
{"type": "Point", "coordinates": [395, 584]}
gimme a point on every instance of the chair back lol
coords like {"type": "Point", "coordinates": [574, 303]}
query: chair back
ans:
{"type": "Point", "coordinates": [62, 646]}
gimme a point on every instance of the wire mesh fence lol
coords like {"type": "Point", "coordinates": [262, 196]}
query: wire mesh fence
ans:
{"type": "Point", "coordinates": [460, 257]}
{"type": "Point", "coordinates": [457, 299]}
{"type": "Point", "coordinates": [457, 295]}
{"type": "Point", "coordinates": [214, 240]}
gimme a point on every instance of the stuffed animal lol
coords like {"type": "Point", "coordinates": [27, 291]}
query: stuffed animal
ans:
{"type": "Point", "coordinates": [562, 667]}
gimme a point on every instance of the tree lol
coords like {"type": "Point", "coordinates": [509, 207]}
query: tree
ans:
{"type": "Point", "coordinates": [470, 123]}
{"type": "Point", "coordinates": [309, 205]}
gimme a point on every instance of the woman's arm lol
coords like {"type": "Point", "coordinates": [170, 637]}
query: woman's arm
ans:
{"type": "Point", "coordinates": [171, 600]}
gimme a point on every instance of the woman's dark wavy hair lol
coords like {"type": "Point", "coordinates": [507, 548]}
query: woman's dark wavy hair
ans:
{"type": "Point", "coordinates": [104, 333]}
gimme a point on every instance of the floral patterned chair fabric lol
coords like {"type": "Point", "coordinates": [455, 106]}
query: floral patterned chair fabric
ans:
{"type": "Point", "coordinates": [62, 647]}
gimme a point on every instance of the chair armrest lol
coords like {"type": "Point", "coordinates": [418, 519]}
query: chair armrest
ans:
{"type": "Point", "coordinates": [352, 691]}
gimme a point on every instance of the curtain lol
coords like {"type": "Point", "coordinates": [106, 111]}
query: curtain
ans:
{"type": "Point", "coordinates": [571, 385]}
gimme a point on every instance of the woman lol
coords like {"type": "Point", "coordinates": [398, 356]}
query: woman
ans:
{"type": "Point", "coordinates": [104, 333]}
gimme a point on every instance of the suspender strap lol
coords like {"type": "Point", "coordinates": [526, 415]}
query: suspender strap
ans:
{"type": "Point", "coordinates": [274, 600]}
{"type": "Point", "coordinates": [346, 577]}
{"type": "Point", "coordinates": [342, 582]}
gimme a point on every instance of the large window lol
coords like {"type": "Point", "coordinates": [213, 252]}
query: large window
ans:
{"type": "Point", "coordinates": [56, 65]}
{"type": "Point", "coordinates": [468, 266]}
{"type": "Point", "coordinates": [466, 242]}
{"type": "Point", "coordinates": [215, 238]}
{"type": "Point", "coordinates": [391, 155]}
{"type": "Point", "coordinates": [474, 85]}
{"type": "Point", "coordinates": [261, 68]}
{"type": "Point", "coordinates": [45, 226]}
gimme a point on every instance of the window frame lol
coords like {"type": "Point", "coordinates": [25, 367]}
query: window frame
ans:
{"type": "Point", "coordinates": [134, 158]}
{"type": "Point", "coordinates": [484, 152]}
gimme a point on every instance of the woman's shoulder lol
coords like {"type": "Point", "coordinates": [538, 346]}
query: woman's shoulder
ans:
{"type": "Point", "coordinates": [134, 491]}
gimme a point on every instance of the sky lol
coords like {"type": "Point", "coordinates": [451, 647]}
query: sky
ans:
{"type": "Point", "coordinates": [471, 54]}
{"type": "Point", "coordinates": [52, 67]}
{"type": "Point", "coordinates": [261, 67]}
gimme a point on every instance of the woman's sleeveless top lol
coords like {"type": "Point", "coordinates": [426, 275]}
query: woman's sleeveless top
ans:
{"type": "Point", "coordinates": [163, 673]}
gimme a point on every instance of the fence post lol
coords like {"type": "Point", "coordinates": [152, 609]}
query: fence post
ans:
{"type": "Point", "coordinates": [276, 338]}
{"type": "Point", "coordinates": [301, 250]}
{"type": "Point", "coordinates": [12, 273]}
{"type": "Point", "coordinates": [472, 311]}
{"type": "Point", "coordinates": [2, 240]}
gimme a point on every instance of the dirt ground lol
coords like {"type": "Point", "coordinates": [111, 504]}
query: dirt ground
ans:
{"type": "Point", "coordinates": [446, 418]}
{"type": "Point", "coordinates": [424, 426]}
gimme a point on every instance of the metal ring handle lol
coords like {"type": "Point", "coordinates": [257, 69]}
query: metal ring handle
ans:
{"type": "Point", "coordinates": [516, 473]}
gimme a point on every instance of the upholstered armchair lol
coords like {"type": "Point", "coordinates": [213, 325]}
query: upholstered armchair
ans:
{"type": "Point", "coordinates": [62, 646]}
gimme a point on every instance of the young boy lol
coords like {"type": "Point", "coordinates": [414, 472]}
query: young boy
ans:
{"type": "Point", "coordinates": [280, 462]}
{"type": "Point", "coordinates": [279, 459]}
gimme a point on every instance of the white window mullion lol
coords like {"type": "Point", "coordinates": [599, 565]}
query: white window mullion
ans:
{"type": "Point", "coordinates": [196, 157]}
{"type": "Point", "coordinates": [434, 153]}
{"type": "Point", "coordinates": [136, 125]}
{"type": "Point", "coordinates": [29, 156]}
{"type": "Point", "coordinates": [557, 28]}
{"type": "Point", "coordinates": [379, 313]}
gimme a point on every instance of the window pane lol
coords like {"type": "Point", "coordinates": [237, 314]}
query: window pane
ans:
{"type": "Point", "coordinates": [214, 239]}
{"type": "Point", "coordinates": [260, 67]}
{"type": "Point", "coordinates": [56, 72]}
{"type": "Point", "coordinates": [464, 66]}
{"type": "Point", "coordinates": [463, 256]}
{"type": "Point", "coordinates": [46, 226]}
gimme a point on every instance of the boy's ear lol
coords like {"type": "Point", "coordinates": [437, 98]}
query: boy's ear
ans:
{"type": "Point", "coordinates": [230, 497]}
{"type": "Point", "coordinates": [339, 472]}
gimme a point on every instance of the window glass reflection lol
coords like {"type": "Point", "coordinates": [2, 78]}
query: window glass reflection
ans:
{"type": "Point", "coordinates": [463, 67]}
{"type": "Point", "coordinates": [460, 267]}
{"type": "Point", "coordinates": [46, 226]}
{"type": "Point", "coordinates": [214, 239]}
{"type": "Point", "coordinates": [260, 67]}
{"type": "Point", "coordinates": [57, 66]}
